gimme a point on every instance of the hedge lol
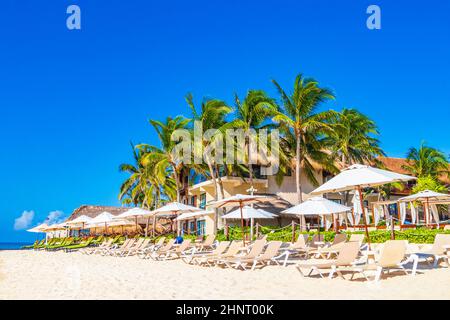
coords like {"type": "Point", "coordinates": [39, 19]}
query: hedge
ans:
{"type": "Point", "coordinates": [420, 235]}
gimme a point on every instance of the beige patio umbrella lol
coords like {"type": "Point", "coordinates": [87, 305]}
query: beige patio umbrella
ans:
{"type": "Point", "coordinates": [239, 200]}
{"type": "Point", "coordinates": [39, 229]}
{"type": "Point", "coordinates": [357, 177]}
{"type": "Point", "coordinates": [172, 208]}
{"type": "Point", "coordinates": [103, 218]}
{"type": "Point", "coordinates": [135, 213]}
{"type": "Point", "coordinates": [426, 196]}
{"type": "Point", "coordinates": [81, 221]}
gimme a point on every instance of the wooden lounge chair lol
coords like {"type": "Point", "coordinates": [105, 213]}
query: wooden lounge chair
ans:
{"type": "Point", "coordinates": [116, 249]}
{"type": "Point", "coordinates": [392, 257]}
{"type": "Point", "coordinates": [137, 248]}
{"type": "Point", "coordinates": [79, 246]}
{"type": "Point", "coordinates": [208, 244]}
{"type": "Point", "coordinates": [145, 251]}
{"type": "Point", "coordinates": [348, 254]}
{"type": "Point", "coordinates": [125, 251]}
{"type": "Point", "coordinates": [437, 252]}
{"type": "Point", "coordinates": [333, 249]}
{"type": "Point", "coordinates": [255, 250]}
{"type": "Point", "coordinates": [106, 244]}
{"type": "Point", "coordinates": [264, 259]}
{"type": "Point", "coordinates": [201, 257]}
{"type": "Point", "coordinates": [233, 250]}
{"type": "Point", "coordinates": [163, 250]}
{"type": "Point", "coordinates": [176, 251]}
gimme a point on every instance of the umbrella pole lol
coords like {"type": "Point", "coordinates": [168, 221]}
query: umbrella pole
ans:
{"type": "Point", "coordinates": [136, 224]}
{"type": "Point", "coordinates": [146, 226]}
{"type": "Point", "coordinates": [364, 214]}
{"type": "Point", "coordinates": [426, 212]}
{"type": "Point", "coordinates": [242, 223]}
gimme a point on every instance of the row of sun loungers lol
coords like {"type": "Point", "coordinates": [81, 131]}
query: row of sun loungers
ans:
{"type": "Point", "coordinates": [339, 258]}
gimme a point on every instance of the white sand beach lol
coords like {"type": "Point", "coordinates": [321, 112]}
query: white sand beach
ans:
{"type": "Point", "coordinates": [59, 275]}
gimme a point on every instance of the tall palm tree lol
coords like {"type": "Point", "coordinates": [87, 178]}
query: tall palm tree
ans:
{"type": "Point", "coordinates": [147, 184]}
{"type": "Point", "coordinates": [299, 116]}
{"type": "Point", "coordinates": [132, 189]}
{"type": "Point", "coordinates": [165, 156]}
{"type": "Point", "coordinates": [353, 138]}
{"type": "Point", "coordinates": [211, 115]}
{"type": "Point", "coordinates": [426, 161]}
{"type": "Point", "coordinates": [252, 113]}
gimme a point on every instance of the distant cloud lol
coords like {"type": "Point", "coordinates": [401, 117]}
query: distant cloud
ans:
{"type": "Point", "coordinates": [24, 221]}
{"type": "Point", "coordinates": [56, 216]}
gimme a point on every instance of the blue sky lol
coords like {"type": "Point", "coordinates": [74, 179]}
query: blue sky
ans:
{"type": "Point", "coordinates": [70, 101]}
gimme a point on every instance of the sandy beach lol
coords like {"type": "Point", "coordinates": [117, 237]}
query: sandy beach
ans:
{"type": "Point", "coordinates": [59, 275]}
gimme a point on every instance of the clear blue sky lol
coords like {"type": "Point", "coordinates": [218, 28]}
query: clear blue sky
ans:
{"type": "Point", "coordinates": [70, 101]}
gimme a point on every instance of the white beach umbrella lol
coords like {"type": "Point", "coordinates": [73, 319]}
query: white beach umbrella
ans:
{"type": "Point", "coordinates": [249, 213]}
{"type": "Point", "coordinates": [317, 206]}
{"type": "Point", "coordinates": [239, 200]}
{"type": "Point", "coordinates": [191, 215]}
{"type": "Point", "coordinates": [80, 221]}
{"type": "Point", "coordinates": [103, 218]}
{"type": "Point", "coordinates": [39, 229]}
{"type": "Point", "coordinates": [426, 196]}
{"type": "Point", "coordinates": [174, 208]}
{"type": "Point", "coordinates": [134, 213]}
{"type": "Point", "coordinates": [357, 177]}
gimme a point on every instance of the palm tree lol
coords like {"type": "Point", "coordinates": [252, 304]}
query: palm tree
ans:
{"type": "Point", "coordinates": [353, 138]}
{"type": "Point", "coordinates": [299, 116]}
{"type": "Point", "coordinates": [252, 113]}
{"type": "Point", "coordinates": [147, 184]}
{"type": "Point", "coordinates": [132, 189]}
{"type": "Point", "coordinates": [211, 116]}
{"type": "Point", "coordinates": [165, 156]}
{"type": "Point", "coordinates": [426, 161]}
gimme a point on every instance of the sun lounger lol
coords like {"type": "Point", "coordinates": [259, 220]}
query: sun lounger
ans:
{"type": "Point", "coordinates": [162, 250]}
{"type": "Point", "coordinates": [233, 250]}
{"type": "Point", "coordinates": [392, 257]}
{"type": "Point", "coordinates": [255, 250]}
{"type": "Point", "coordinates": [134, 250]}
{"type": "Point", "coordinates": [79, 246]}
{"type": "Point", "coordinates": [269, 256]}
{"type": "Point", "coordinates": [116, 249]}
{"type": "Point", "coordinates": [175, 252]}
{"type": "Point", "coordinates": [106, 244]}
{"type": "Point", "coordinates": [208, 244]}
{"type": "Point", "coordinates": [201, 257]}
{"type": "Point", "coordinates": [145, 251]}
{"type": "Point", "coordinates": [333, 249]}
{"type": "Point", "coordinates": [125, 251]}
{"type": "Point", "coordinates": [348, 254]}
{"type": "Point", "coordinates": [437, 252]}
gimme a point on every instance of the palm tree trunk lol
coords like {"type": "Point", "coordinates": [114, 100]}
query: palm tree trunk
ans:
{"type": "Point", "coordinates": [213, 177]}
{"type": "Point", "coordinates": [250, 165]}
{"type": "Point", "coordinates": [298, 169]}
{"type": "Point", "coordinates": [177, 182]}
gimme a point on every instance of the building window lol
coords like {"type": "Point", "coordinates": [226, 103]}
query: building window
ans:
{"type": "Point", "coordinates": [336, 200]}
{"type": "Point", "coordinates": [203, 201]}
{"type": "Point", "coordinates": [201, 227]}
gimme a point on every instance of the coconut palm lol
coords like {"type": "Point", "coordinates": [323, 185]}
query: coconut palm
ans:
{"type": "Point", "coordinates": [147, 184]}
{"type": "Point", "coordinates": [211, 116]}
{"type": "Point", "coordinates": [165, 156]}
{"type": "Point", "coordinates": [252, 113]}
{"type": "Point", "coordinates": [298, 115]}
{"type": "Point", "coordinates": [353, 138]}
{"type": "Point", "coordinates": [426, 161]}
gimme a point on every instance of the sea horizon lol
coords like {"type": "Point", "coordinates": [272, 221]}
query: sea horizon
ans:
{"type": "Point", "coordinates": [13, 245]}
